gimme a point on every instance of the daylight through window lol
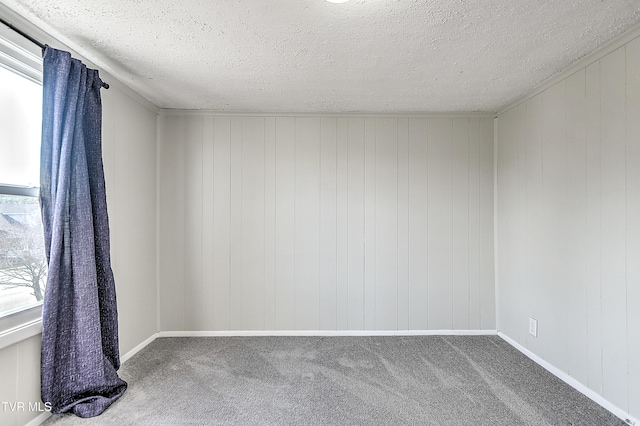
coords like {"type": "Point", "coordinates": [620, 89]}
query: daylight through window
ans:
{"type": "Point", "coordinates": [22, 260]}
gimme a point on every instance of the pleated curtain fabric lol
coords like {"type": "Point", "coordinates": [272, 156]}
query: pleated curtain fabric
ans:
{"type": "Point", "coordinates": [80, 355]}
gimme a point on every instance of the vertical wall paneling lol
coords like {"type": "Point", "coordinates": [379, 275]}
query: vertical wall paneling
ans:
{"type": "Point", "coordinates": [140, 234]}
{"type": "Point", "coordinates": [252, 227]}
{"type": "Point", "coordinates": [221, 222]}
{"type": "Point", "coordinates": [386, 229]}
{"type": "Point", "coordinates": [307, 223]}
{"type": "Point", "coordinates": [269, 223]}
{"type": "Point", "coordinates": [613, 256]}
{"type": "Point", "coordinates": [554, 219]}
{"type": "Point", "coordinates": [28, 373]}
{"type": "Point", "coordinates": [554, 255]}
{"type": "Point", "coordinates": [440, 224]}
{"type": "Point", "coordinates": [532, 300]}
{"type": "Point", "coordinates": [20, 372]}
{"type": "Point", "coordinates": [207, 299]}
{"type": "Point", "coordinates": [325, 223]}
{"type": "Point", "coordinates": [633, 222]}
{"type": "Point", "coordinates": [487, 281]}
{"type": "Point", "coordinates": [521, 236]}
{"type": "Point", "coordinates": [8, 364]}
{"type": "Point", "coordinates": [355, 224]}
{"type": "Point", "coordinates": [236, 321]}
{"type": "Point", "coordinates": [418, 248]}
{"type": "Point", "coordinates": [108, 158]}
{"type": "Point", "coordinates": [285, 244]}
{"type": "Point", "coordinates": [130, 153]}
{"type": "Point", "coordinates": [193, 225]}
{"type": "Point", "coordinates": [507, 218]}
{"type": "Point", "coordinates": [403, 224]}
{"type": "Point", "coordinates": [342, 224]}
{"type": "Point", "coordinates": [578, 272]}
{"type": "Point", "coordinates": [474, 224]}
{"type": "Point", "coordinates": [328, 224]}
{"type": "Point", "coordinates": [576, 227]}
{"type": "Point", "coordinates": [461, 218]}
{"type": "Point", "coordinates": [370, 225]}
{"type": "Point", "coordinates": [172, 163]}
{"type": "Point", "coordinates": [121, 218]}
{"type": "Point", "coordinates": [594, 233]}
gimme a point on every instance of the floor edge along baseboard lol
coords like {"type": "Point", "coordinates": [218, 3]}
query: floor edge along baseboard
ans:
{"type": "Point", "coordinates": [138, 348]}
{"type": "Point", "coordinates": [39, 420]}
{"type": "Point", "coordinates": [594, 396]}
{"type": "Point", "coordinates": [326, 333]}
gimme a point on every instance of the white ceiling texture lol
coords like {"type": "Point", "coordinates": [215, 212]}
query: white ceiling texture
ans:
{"type": "Point", "coordinates": [301, 56]}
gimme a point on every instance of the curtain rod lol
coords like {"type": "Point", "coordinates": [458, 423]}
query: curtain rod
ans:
{"type": "Point", "coordinates": [34, 41]}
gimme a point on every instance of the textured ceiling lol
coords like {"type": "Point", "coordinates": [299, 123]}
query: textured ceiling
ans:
{"type": "Point", "coordinates": [315, 56]}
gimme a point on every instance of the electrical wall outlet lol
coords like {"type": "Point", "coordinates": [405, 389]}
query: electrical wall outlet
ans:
{"type": "Point", "coordinates": [533, 327]}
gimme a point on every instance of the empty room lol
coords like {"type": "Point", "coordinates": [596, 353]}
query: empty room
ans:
{"type": "Point", "coordinates": [319, 212]}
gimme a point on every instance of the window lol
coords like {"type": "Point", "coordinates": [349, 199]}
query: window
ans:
{"type": "Point", "coordinates": [23, 268]}
{"type": "Point", "coordinates": [22, 259]}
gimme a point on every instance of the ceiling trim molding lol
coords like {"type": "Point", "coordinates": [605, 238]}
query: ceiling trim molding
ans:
{"type": "Point", "coordinates": [48, 38]}
{"type": "Point", "coordinates": [609, 47]}
{"type": "Point", "coordinates": [191, 112]}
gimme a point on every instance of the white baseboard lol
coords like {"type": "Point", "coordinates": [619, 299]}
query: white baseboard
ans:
{"type": "Point", "coordinates": [594, 396]}
{"type": "Point", "coordinates": [326, 333]}
{"type": "Point", "coordinates": [138, 348]}
{"type": "Point", "coordinates": [40, 419]}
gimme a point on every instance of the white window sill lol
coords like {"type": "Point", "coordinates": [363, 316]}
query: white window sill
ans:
{"type": "Point", "coordinates": [20, 326]}
{"type": "Point", "coordinates": [21, 333]}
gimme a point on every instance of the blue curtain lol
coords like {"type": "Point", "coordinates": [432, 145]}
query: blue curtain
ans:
{"type": "Point", "coordinates": [80, 353]}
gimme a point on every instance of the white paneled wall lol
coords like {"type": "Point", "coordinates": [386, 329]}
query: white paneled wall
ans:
{"type": "Point", "coordinates": [569, 225]}
{"type": "Point", "coordinates": [326, 223]}
{"type": "Point", "coordinates": [130, 156]}
{"type": "Point", "coordinates": [20, 373]}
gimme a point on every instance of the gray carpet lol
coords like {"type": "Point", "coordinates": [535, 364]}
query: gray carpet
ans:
{"type": "Point", "coordinates": [452, 380]}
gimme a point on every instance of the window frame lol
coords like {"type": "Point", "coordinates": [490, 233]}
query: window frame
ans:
{"type": "Point", "coordinates": [21, 57]}
{"type": "Point", "coordinates": [23, 191]}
